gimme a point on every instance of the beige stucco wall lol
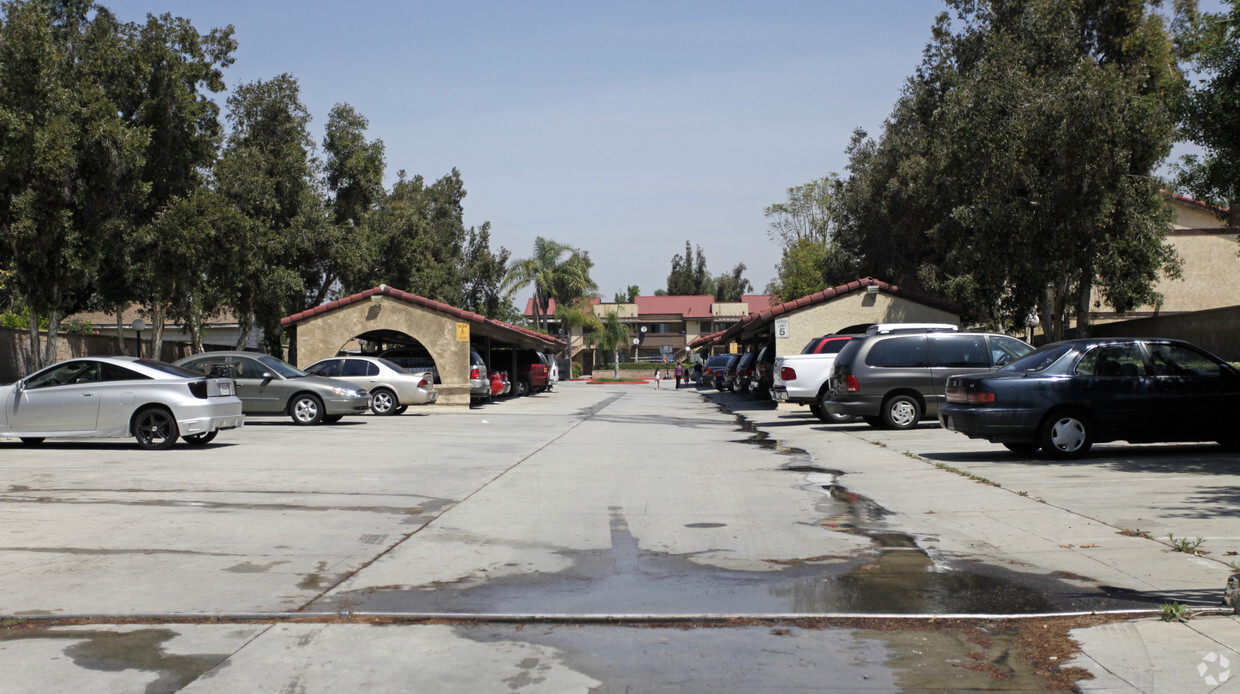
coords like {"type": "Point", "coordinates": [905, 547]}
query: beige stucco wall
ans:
{"type": "Point", "coordinates": [1190, 217]}
{"type": "Point", "coordinates": [1211, 272]}
{"type": "Point", "coordinates": [322, 336]}
{"type": "Point", "coordinates": [622, 310]}
{"type": "Point", "coordinates": [852, 309]}
{"type": "Point", "coordinates": [729, 310]}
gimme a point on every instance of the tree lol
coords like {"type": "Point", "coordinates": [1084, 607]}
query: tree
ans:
{"type": "Point", "coordinates": [808, 213]}
{"type": "Point", "coordinates": [804, 227]}
{"type": "Point", "coordinates": [689, 276]}
{"type": "Point", "coordinates": [485, 273]}
{"type": "Point", "coordinates": [810, 266]}
{"type": "Point", "coordinates": [1211, 44]}
{"type": "Point", "coordinates": [186, 252]}
{"type": "Point", "coordinates": [629, 295]}
{"type": "Point", "coordinates": [354, 177]}
{"type": "Point", "coordinates": [576, 313]}
{"type": "Point", "coordinates": [732, 286]}
{"type": "Point", "coordinates": [68, 161]}
{"type": "Point", "coordinates": [417, 240]}
{"type": "Point", "coordinates": [555, 271]}
{"type": "Point", "coordinates": [1015, 172]}
{"type": "Point", "coordinates": [162, 87]}
{"type": "Point", "coordinates": [613, 335]}
{"type": "Point", "coordinates": [268, 172]}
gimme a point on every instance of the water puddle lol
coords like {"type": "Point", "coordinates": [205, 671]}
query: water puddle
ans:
{"type": "Point", "coordinates": [114, 651]}
{"type": "Point", "coordinates": [893, 575]}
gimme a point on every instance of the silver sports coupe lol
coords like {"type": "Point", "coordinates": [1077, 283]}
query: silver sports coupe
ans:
{"type": "Point", "coordinates": [115, 397]}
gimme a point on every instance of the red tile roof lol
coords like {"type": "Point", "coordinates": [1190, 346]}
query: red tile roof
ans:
{"type": "Point", "coordinates": [416, 300]}
{"type": "Point", "coordinates": [686, 306]}
{"type": "Point", "coordinates": [825, 295]}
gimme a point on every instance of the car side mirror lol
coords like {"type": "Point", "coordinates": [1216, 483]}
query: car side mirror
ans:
{"type": "Point", "coordinates": [20, 387]}
{"type": "Point", "coordinates": [267, 376]}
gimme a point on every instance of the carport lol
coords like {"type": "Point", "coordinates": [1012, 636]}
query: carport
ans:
{"type": "Point", "coordinates": [383, 315]}
{"type": "Point", "coordinates": [790, 325]}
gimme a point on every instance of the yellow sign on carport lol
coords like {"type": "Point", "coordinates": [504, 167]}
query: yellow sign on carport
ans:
{"type": "Point", "coordinates": [462, 332]}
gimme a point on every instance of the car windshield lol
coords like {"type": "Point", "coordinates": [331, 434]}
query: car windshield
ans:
{"type": "Point", "coordinates": [1037, 360]}
{"type": "Point", "coordinates": [282, 367]}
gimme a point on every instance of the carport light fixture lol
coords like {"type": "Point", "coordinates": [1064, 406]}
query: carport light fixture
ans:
{"type": "Point", "coordinates": [377, 297]}
{"type": "Point", "coordinates": [871, 289]}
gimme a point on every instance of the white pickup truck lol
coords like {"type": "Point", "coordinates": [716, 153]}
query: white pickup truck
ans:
{"type": "Point", "coordinates": [805, 378]}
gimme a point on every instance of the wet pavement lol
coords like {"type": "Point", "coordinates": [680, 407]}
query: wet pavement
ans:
{"type": "Point", "coordinates": [593, 539]}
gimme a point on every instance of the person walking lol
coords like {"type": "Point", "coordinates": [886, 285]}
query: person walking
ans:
{"type": "Point", "coordinates": [680, 373]}
{"type": "Point", "coordinates": [658, 378]}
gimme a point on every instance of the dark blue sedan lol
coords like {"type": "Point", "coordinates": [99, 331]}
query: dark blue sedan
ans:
{"type": "Point", "coordinates": [1069, 395]}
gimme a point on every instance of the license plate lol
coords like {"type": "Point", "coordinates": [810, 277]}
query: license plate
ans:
{"type": "Point", "coordinates": [226, 387]}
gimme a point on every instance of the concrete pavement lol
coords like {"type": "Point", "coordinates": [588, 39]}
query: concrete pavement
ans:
{"type": "Point", "coordinates": [615, 500]}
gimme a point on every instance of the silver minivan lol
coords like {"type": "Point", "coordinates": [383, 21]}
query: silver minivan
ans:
{"type": "Point", "coordinates": [893, 380]}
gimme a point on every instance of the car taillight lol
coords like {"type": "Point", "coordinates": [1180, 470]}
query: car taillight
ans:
{"type": "Point", "coordinates": [761, 370]}
{"type": "Point", "coordinates": [788, 373]}
{"type": "Point", "coordinates": [423, 383]}
{"type": "Point", "coordinates": [958, 392]}
{"type": "Point", "coordinates": [473, 373]}
{"type": "Point", "coordinates": [851, 384]}
{"type": "Point", "coordinates": [747, 373]}
{"type": "Point", "coordinates": [199, 389]}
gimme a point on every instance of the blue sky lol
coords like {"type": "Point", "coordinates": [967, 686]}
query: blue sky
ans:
{"type": "Point", "coordinates": [624, 129]}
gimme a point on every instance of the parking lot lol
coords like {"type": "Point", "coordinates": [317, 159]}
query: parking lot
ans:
{"type": "Point", "coordinates": [261, 561]}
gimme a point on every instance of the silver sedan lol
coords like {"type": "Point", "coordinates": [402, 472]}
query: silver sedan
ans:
{"type": "Point", "coordinates": [267, 385]}
{"type": "Point", "coordinates": [392, 388]}
{"type": "Point", "coordinates": [115, 397]}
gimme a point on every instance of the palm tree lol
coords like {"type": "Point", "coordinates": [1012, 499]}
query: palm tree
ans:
{"type": "Point", "coordinates": [576, 313]}
{"type": "Point", "coordinates": [553, 275]}
{"type": "Point", "coordinates": [613, 334]}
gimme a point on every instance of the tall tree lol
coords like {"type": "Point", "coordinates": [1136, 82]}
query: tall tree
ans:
{"type": "Point", "coordinates": [268, 171]}
{"type": "Point", "coordinates": [732, 286]}
{"type": "Point", "coordinates": [1015, 171]}
{"type": "Point", "coordinates": [555, 271]}
{"type": "Point", "coordinates": [417, 240]}
{"type": "Point", "coordinates": [689, 276]}
{"type": "Point", "coordinates": [804, 227]}
{"type": "Point", "coordinates": [613, 335]}
{"type": "Point", "coordinates": [164, 86]}
{"type": "Point", "coordinates": [354, 177]}
{"type": "Point", "coordinates": [68, 161]}
{"type": "Point", "coordinates": [484, 276]}
{"type": "Point", "coordinates": [808, 213]}
{"type": "Point", "coordinates": [1211, 43]}
{"type": "Point", "coordinates": [629, 295]}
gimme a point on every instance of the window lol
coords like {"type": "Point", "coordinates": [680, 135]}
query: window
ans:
{"type": "Point", "coordinates": [112, 372]}
{"type": "Point", "coordinates": [1005, 350]}
{"type": "Point", "coordinates": [248, 368]}
{"type": "Point", "coordinates": [966, 351]}
{"type": "Point", "coordinates": [327, 367]}
{"type": "Point", "coordinates": [1110, 361]}
{"type": "Point", "coordinates": [354, 368]}
{"type": "Point", "coordinates": [70, 373]}
{"type": "Point", "coordinates": [898, 352]}
{"type": "Point", "coordinates": [1178, 360]}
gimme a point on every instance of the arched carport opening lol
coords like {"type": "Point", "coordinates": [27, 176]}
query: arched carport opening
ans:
{"type": "Point", "coordinates": [393, 317]}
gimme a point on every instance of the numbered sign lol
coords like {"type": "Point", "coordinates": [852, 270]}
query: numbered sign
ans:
{"type": "Point", "coordinates": [462, 332]}
{"type": "Point", "coordinates": [782, 331]}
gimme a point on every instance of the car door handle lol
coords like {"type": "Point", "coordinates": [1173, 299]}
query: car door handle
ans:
{"type": "Point", "coordinates": [87, 395]}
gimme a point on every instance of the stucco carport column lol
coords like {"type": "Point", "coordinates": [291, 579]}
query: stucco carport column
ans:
{"type": "Point", "coordinates": [322, 336]}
